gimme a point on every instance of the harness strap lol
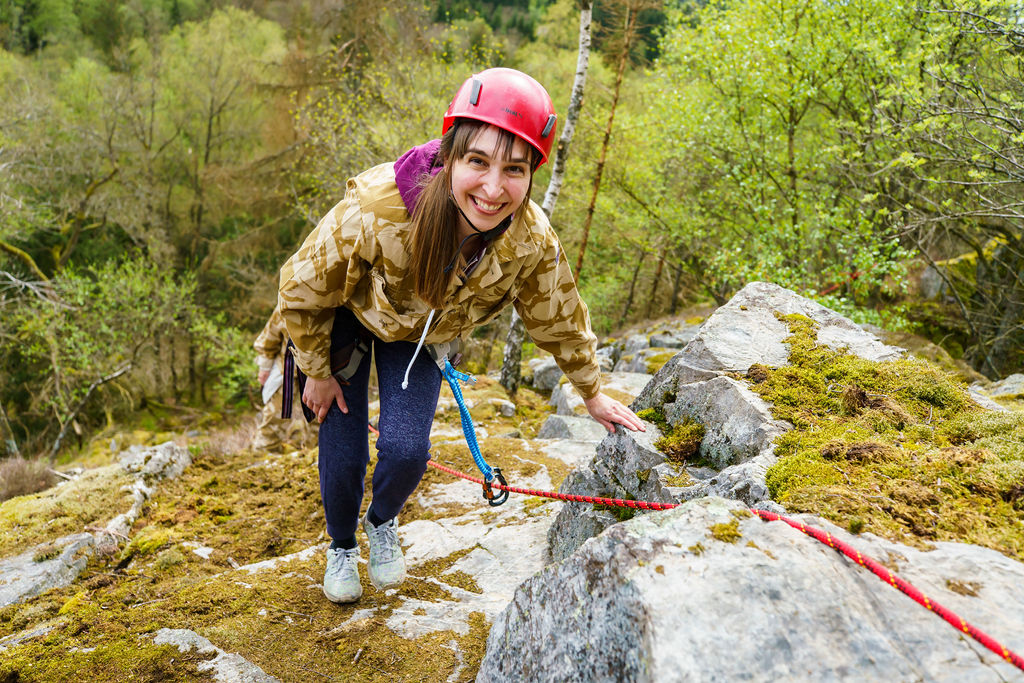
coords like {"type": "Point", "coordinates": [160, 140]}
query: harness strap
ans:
{"type": "Point", "coordinates": [344, 364]}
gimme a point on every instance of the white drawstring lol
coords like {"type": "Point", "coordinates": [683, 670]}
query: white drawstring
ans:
{"type": "Point", "coordinates": [405, 381]}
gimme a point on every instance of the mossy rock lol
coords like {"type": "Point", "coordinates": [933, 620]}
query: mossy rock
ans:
{"type": "Point", "coordinates": [681, 442]}
{"type": "Point", "coordinates": [897, 448]}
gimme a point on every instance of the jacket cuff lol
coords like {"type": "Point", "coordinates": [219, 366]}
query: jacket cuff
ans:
{"type": "Point", "coordinates": [587, 381]}
{"type": "Point", "coordinates": [312, 364]}
{"type": "Point", "coordinates": [264, 363]}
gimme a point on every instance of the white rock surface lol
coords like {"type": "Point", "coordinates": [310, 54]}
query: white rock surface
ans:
{"type": "Point", "coordinates": [572, 427]}
{"type": "Point", "coordinates": [1008, 387]}
{"type": "Point", "coordinates": [657, 598]}
{"type": "Point", "coordinates": [22, 577]}
{"type": "Point", "coordinates": [546, 372]}
{"type": "Point", "coordinates": [225, 667]}
{"type": "Point", "coordinates": [567, 401]}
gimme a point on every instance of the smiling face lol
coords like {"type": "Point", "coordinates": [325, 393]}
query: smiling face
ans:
{"type": "Point", "coordinates": [490, 180]}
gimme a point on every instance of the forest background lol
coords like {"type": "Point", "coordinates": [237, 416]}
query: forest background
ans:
{"type": "Point", "coordinates": [160, 159]}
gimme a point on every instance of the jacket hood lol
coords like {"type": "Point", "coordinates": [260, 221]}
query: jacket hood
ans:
{"type": "Point", "coordinates": [414, 169]}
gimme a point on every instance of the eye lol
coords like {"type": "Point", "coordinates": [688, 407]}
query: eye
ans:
{"type": "Point", "coordinates": [477, 162]}
{"type": "Point", "coordinates": [516, 170]}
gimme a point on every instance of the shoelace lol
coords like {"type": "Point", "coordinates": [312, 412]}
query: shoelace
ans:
{"type": "Point", "coordinates": [387, 538]}
{"type": "Point", "coordinates": [350, 558]}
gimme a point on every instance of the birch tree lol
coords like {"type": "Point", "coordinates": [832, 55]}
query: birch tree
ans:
{"type": "Point", "coordinates": [511, 374]}
{"type": "Point", "coordinates": [630, 12]}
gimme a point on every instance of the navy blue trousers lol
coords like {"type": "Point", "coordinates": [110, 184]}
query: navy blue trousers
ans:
{"type": "Point", "coordinates": [403, 447]}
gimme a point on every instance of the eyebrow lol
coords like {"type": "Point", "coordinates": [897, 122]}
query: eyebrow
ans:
{"type": "Point", "coordinates": [482, 153]}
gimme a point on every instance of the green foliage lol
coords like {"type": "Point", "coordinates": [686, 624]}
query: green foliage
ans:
{"type": "Point", "coordinates": [388, 95]}
{"type": "Point", "coordinates": [756, 104]}
{"type": "Point", "coordinates": [100, 321]}
{"type": "Point", "coordinates": [32, 26]}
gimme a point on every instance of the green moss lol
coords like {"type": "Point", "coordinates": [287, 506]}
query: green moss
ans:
{"type": "Point", "coordinates": [642, 477]}
{"type": "Point", "coordinates": [620, 513]}
{"type": "Point", "coordinates": [657, 361]}
{"type": "Point", "coordinates": [92, 499]}
{"type": "Point", "coordinates": [167, 559]}
{"type": "Point", "coordinates": [681, 443]}
{"type": "Point", "coordinates": [655, 416]}
{"type": "Point", "coordinates": [148, 541]}
{"type": "Point", "coordinates": [681, 479]}
{"type": "Point", "coordinates": [46, 552]}
{"type": "Point", "coordinates": [895, 448]}
{"type": "Point", "coordinates": [727, 532]}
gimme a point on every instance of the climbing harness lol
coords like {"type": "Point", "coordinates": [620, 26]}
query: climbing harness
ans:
{"type": "Point", "coordinates": [453, 377]}
{"type": "Point", "coordinates": [344, 364]}
{"type": "Point", "coordinates": [874, 566]}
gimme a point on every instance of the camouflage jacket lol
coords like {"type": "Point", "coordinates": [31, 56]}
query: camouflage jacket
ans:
{"type": "Point", "coordinates": [270, 342]}
{"type": "Point", "coordinates": [358, 257]}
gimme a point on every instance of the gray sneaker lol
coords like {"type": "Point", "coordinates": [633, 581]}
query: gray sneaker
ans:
{"type": "Point", "coordinates": [387, 564]}
{"type": "Point", "coordinates": [341, 580]}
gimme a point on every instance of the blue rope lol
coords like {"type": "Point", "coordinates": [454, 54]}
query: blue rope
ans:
{"type": "Point", "coordinates": [453, 376]}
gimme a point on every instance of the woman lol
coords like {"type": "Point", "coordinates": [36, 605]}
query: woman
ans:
{"type": "Point", "coordinates": [427, 248]}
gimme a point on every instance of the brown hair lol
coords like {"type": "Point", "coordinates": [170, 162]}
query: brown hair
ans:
{"type": "Point", "coordinates": [435, 220]}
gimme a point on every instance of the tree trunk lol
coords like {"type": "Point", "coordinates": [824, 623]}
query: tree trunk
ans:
{"type": "Point", "coordinates": [511, 375]}
{"type": "Point", "coordinates": [654, 284]}
{"type": "Point", "coordinates": [632, 289]}
{"type": "Point", "coordinates": [10, 444]}
{"type": "Point", "coordinates": [674, 304]}
{"type": "Point", "coordinates": [628, 36]}
{"type": "Point", "coordinates": [69, 419]}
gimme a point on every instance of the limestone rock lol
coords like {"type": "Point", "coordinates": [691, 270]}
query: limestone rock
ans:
{"type": "Point", "coordinates": [546, 373]}
{"type": "Point", "coordinates": [745, 331]}
{"type": "Point", "coordinates": [46, 566]}
{"type": "Point", "coordinates": [737, 448]}
{"type": "Point", "coordinates": [165, 461]}
{"type": "Point", "coordinates": [984, 399]}
{"type": "Point", "coordinates": [739, 423]}
{"type": "Point", "coordinates": [225, 667]}
{"type": "Point", "coordinates": [644, 359]}
{"type": "Point", "coordinates": [571, 427]}
{"type": "Point", "coordinates": [674, 339]}
{"type": "Point", "coordinates": [622, 385]}
{"type": "Point", "coordinates": [504, 407]}
{"type": "Point", "coordinates": [606, 357]}
{"type": "Point", "coordinates": [1008, 387]}
{"type": "Point", "coordinates": [660, 598]}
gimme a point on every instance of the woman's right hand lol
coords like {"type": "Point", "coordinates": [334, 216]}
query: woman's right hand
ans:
{"type": "Point", "coordinates": [320, 393]}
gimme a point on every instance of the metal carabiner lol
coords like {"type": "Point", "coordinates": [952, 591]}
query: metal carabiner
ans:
{"type": "Point", "coordinates": [495, 499]}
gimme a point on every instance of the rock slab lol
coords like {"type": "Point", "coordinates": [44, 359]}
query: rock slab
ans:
{"type": "Point", "coordinates": [660, 598]}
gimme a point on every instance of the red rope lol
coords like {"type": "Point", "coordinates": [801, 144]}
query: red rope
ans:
{"type": "Point", "coordinates": [618, 502]}
{"type": "Point", "coordinates": [883, 573]}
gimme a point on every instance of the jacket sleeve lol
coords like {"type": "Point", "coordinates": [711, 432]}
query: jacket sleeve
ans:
{"type": "Point", "coordinates": [322, 275]}
{"type": "Point", "coordinates": [270, 342]}
{"type": "Point", "coordinates": [557, 319]}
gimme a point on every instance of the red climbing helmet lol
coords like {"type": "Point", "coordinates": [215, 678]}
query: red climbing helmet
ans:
{"type": "Point", "coordinates": [510, 100]}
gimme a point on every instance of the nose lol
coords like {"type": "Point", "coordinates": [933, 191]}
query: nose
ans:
{"type": "Point", "coordinates": [492, 183]}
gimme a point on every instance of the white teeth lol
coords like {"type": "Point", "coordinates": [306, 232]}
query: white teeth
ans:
{"type": "Point", "coordinates": [486, 206]}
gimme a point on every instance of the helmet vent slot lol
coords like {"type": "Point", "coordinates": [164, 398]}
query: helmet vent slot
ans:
{"type": "Point", "coordinates": [548, 126]}
{"type": "Point", "coordinates": [474, 97]}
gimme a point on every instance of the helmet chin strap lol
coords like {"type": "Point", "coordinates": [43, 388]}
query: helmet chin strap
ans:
{"type": "Point", "coordinates": [487, 235]}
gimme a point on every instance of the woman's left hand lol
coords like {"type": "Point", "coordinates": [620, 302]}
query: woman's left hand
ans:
{"type": "Point", "coordinates": [610, 412]}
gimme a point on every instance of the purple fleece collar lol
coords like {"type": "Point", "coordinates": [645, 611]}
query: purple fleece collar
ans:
{"type": "Point", "coordinates": [414, 169]}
